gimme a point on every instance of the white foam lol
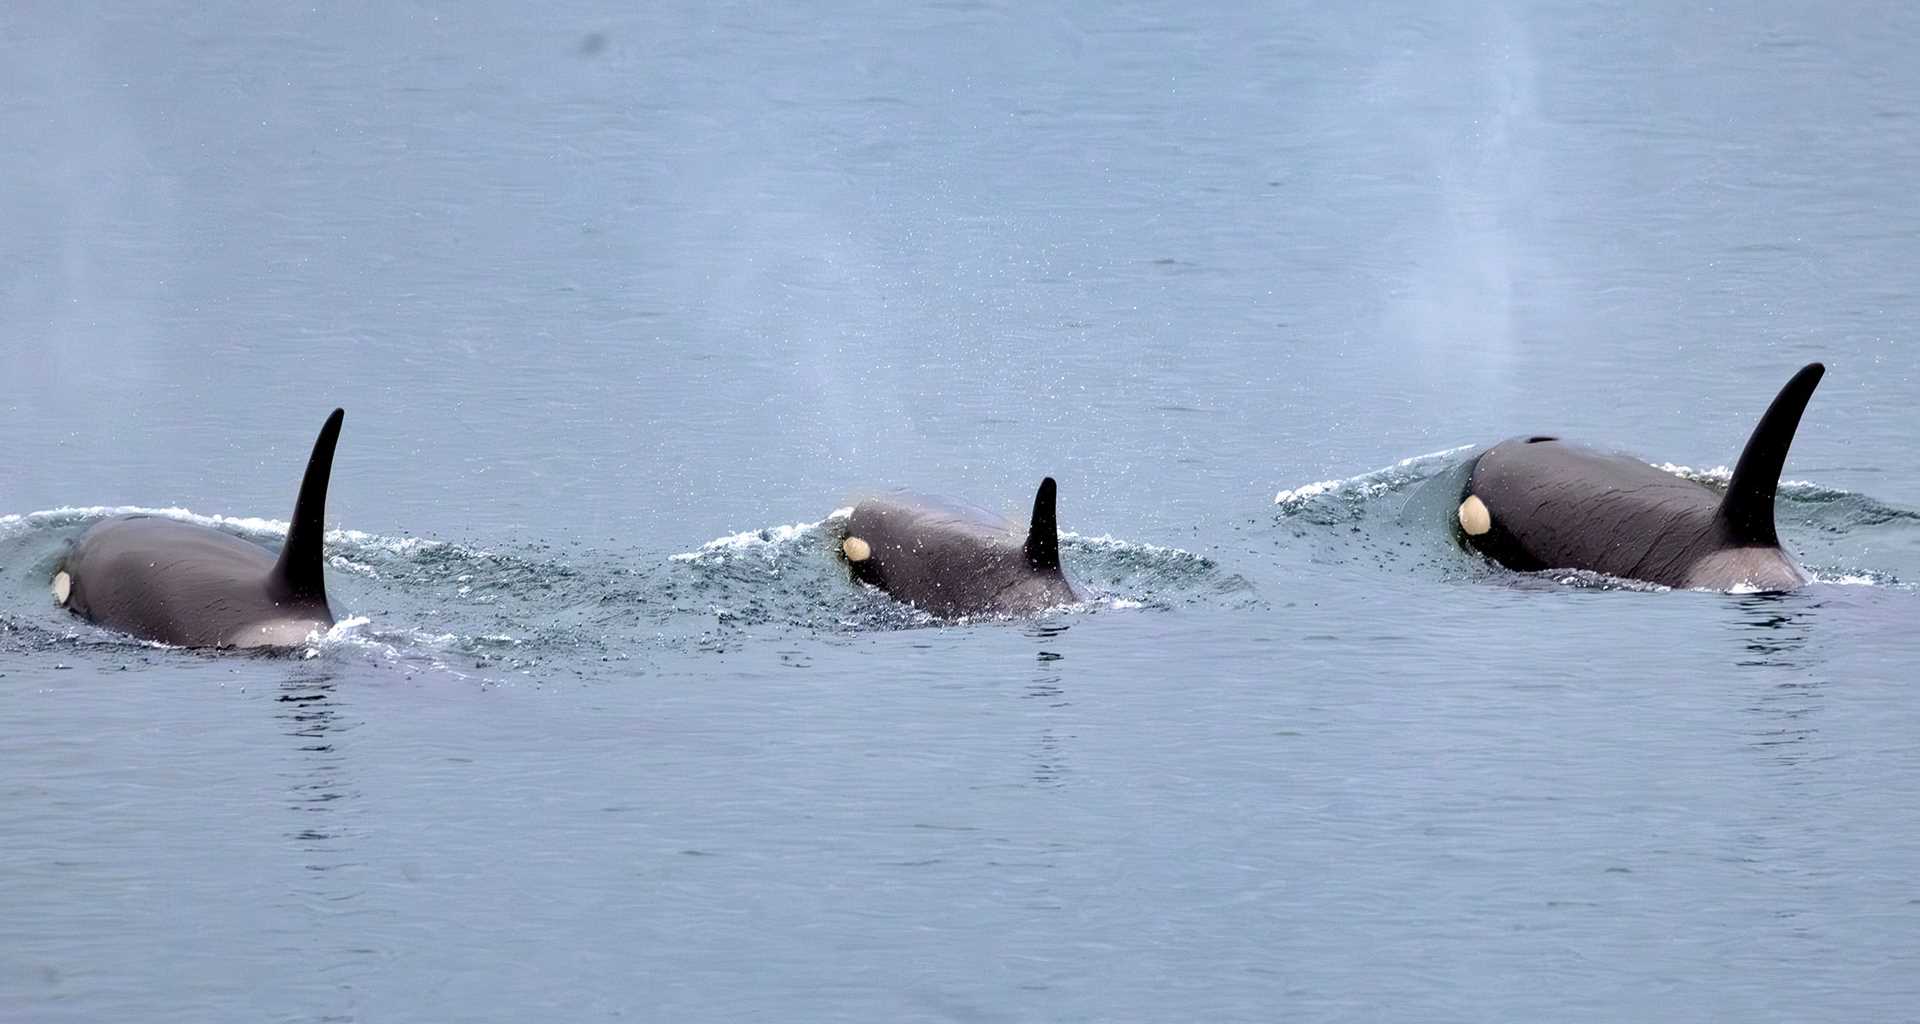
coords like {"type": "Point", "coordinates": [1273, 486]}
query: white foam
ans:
{"type": "Point", "coordinates": [345, 564]}
{"type": "Point", "coordinates": [1370, 480]}
{"type": "Point", "coordinates": [1721, 475]}
{"type": "Point", "coordinates": [1110, 542]}
{"type": "Point", "coordinates": [1845, 579]}
{"type": "Point", "coordinates": [402, 546]}
{"type": "Point", "coordinates": [342, 632]}
{"type": "Point", "coordinates": [259, 525]}
{"type": "Point", "coordinates": [1309, 490]}
{"type": "Point", "coordinates": [414, 647]}
{"type": "Point", "coordinates": [768, 542]}
{"type": "Point", "coordinates": [252, 524]}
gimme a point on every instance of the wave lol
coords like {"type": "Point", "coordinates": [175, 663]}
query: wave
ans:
{"type": "Point", "coordinates": [455, 607]}
{"type": "Point", "coordinates": [769, 542]}
{"type": "Point", "coordinates": [1372, 483]}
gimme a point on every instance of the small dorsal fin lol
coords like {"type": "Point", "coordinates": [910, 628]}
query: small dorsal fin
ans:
{"type": "Point", "coordinates": [1746, 513]}
{"type": "Point", "coordinates": [298, 575]}
{"type": "Point", "coordinates": [1043, 535]}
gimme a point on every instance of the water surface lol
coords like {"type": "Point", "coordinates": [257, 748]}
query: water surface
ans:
{"type": "Point", "coordinates": [624, 305]}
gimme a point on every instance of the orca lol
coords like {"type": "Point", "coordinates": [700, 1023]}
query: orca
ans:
{"type": "Point", "coordinates": [956, 561]}
{"type": "Point", "coordinates": [1534, 503]}
{"type": "Point", "coordinates": [189, 585]}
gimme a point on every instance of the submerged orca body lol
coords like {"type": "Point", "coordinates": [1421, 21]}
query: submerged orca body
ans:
{"type": "Point", "coordinates": [954, 561]}
{"type": "Point", "coordinates": [1538, 503]}
{"type": "Point", "coordinates": [194, 586]}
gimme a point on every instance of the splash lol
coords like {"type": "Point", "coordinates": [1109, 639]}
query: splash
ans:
{"type": "Point", "coordinates": [1385, 480]}
{"type": "Point", "coordinates": [769, 543]}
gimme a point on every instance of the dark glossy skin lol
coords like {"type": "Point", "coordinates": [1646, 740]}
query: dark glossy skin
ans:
{"type": "Point", "coordinates": [955, 561]}
{"type": "Point", "coordinates": [193, 586]}
{"type": "Point", "coordinates": [1562, 506]}
{"type": "Point", "coordinates": [186, 585]}
{"type": "Point", "coordinates": [1553, 505]}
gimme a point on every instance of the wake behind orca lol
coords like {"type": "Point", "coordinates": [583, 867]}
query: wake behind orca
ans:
{"type": "Point", "coordinates": [1539, 503]}
{"type": "Point", "coordinates": [194, 586]}
{"type": "Point", "coordinates": [953, 561]}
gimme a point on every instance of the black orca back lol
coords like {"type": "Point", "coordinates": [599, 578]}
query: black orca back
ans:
{"type": "Point", "coordinates": [194, 586]}
{"type": "Point", "coordinates": [1554, 505]}
{"type": "Point", "coordinates": [162, 579]}
{"type": "Point", "coordinates": [955, 560]}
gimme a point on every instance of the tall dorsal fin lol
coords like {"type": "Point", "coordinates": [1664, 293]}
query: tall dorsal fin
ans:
{"type": "Point", "coordinates": [297, 575]}
{"type": "Point", "coordinates": [1746, 513]}
{"type": "Point", "coordinates": [1043, 535]}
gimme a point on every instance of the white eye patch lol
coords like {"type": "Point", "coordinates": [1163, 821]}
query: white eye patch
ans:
{"type": "Point", "coordinates": [1474, 516]}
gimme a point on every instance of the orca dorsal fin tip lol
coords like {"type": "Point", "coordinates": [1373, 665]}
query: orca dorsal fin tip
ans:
{"type": "Point", "coordinates": [1043, 532]}
{"type": "Point", "coordinates": [1746, 512]}
{"type": "Point", "coordinates": [299, 574]}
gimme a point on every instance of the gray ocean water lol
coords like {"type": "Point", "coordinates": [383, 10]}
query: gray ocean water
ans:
{"type": "Point", "coordinates": [623, 301]}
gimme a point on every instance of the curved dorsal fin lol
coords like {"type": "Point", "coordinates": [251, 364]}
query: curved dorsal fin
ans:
{"type": "Point", "coordinates": [297, 575]}
{"type": "Point", "coordinates": [1043, 535]}
{"type": "Point", "coordinates": [1746, 513]}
